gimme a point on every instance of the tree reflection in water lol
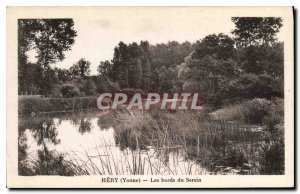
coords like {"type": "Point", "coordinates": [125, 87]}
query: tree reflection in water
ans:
{"type": "Point", "coordinates": [47, 131]}
{"type": "Point", "coordinates": [47, 162]}
{"type": "Point", "coordinates": [23, 168]}
{"type": "Point", "coordinates": [85, 126]}
{"type": "Point", "coordinates": [51, 163]}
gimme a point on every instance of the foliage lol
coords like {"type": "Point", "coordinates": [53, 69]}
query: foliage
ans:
{"type": "Point", "coordinates": [145, 66]}
{"type": "Point", "coordinates": [256, 30]}
{"type": "Point", "coordinates": [275, 118]}
{"type": "Point", "coordinates": [105, 69]}
{"type": "Point", "coordinates": [86, 86]}
{"type": "Point", "coordinates": [69, 91]}
{"type": "Point", "coordinates": [80, 69]}
{"type": "Point", "coordinates": [256, 111]}
{"type": "Point", "coordinates": [104, 84]}
{"type": "Point", "coordinates": [247, 73]}
{"type": "Point", "coordinates": [50, 38]}
{"type": "Point", "coordinates": [218, 46]}
{"type": "Point", "coordinates": [209, 77]}
{"type": "Point", "coordinates": [63, 75]}
{"type": "Point", "coordinates": [273, 161]}
{"type": "Point", "coordinates": [213, 66]}
{"type": "Point", "coordinates": [263, 59]}
{"type": "Point", "coordinates": [248, 86]}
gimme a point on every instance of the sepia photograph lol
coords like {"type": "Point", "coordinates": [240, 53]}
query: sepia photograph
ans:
{"type": "Point", "coordinates": [141, 97]}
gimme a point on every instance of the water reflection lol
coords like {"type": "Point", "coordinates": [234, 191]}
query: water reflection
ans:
{"type": "Point", "coordinates": [58, 145]}
{"type": "Point", "coordinates": [105, 122]}
{"type": "Point", "coordinates": [46, 131]}
{"type": "Point", "coordinates": [22, 154]}
{"type": "Point", "coordinates": [85, 126]}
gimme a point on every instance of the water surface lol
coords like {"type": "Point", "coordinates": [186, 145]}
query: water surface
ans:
{"type": "Point", "coordinates": [89, 142]}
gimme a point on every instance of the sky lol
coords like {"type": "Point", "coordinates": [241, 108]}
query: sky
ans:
{"type": "Point", "coordinates": [100, 30]}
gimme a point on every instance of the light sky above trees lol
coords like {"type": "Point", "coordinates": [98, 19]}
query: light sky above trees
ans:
{"type": "Point", "coordinates": [98, 36]}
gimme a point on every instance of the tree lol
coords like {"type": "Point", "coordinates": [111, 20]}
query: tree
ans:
{"type": "Point", "coordinates": [120, 65]}
{"type": "Point", "coordinates": [135, 66]}
{"type": "Point", "coordinates": [210, 67]}
{"type": "Point", "coordinates": [25, 39]}
{"type": "Point", "coordinates": [274, 62]}
{"type": "Point", "coordinates": [63, 75]}
{"type": "Point", "coordinates": [249, 86]}
{"type": "Point", "coordinates": [146, 66]}
{"type": "Point", "coordinates": [263, 59]}
{"type": "Point", "coordinates": [256, 30]}
{"type": "Point", "coordinates": [208, 76]}
{"type": "Point", "coordinates": [80, 69]}
{"type": "Point", "coordinates": [104, 84]}
{"type": "Point", "coordinates": [218, 46]}
{"type": "Point", "coordinates": [168, 80]}
{"type": "Point", "coordinates": [50, 38]}
{"type": "Point", "coordinates": [169, 55]}
{"type": "Point", "coordinates": [88, 87]}
{"type": "Point", "coordinates": [105, 69]}
{"type": "Point", "coordinates": [29, 78]}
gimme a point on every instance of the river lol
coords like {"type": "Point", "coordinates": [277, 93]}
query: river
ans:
{"type": "Point", "coordinates": [88, 144]}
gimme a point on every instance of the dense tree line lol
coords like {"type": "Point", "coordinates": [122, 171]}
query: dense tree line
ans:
{"type": "Point", "coordinates": [220, 67]}
{"type": "Point", "coordinates": [145, 66]}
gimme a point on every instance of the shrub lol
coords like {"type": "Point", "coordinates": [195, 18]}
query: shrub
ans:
{"type": "Point", "coordinates": [256, 110]}
{"type": "Point", "coordinates": [86, 87]}
{"type": "Point", "coordinates": [276, 115]}
{"type": "Point", "coordinates": [69, 91]}
{"type": "Point", "coordinates": [104, 84]}
{"type": "Point", "coordinates": [252, 111]}
{"type": "Point", "coordinates": [55, 92]}
{"type": "Point", "coordinates": [249, 86]}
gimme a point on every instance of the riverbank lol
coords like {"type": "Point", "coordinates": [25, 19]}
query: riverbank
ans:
{"type": "Point", "coordinates": [220, 146]}
{"type": "Point", "coordinates": [225, 141]}
{"type": "Point", "coordinates": [35, 105]}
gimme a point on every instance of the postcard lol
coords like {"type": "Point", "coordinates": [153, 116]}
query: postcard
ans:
{"type": "Point", "coordinates": [150, 97]}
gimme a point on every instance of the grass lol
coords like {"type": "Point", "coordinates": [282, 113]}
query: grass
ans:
{"type": "Point", "coordinates": [105, 162]}
{"type": "Point", "coordinates": [36, 105]}
{"type": "Point", "coordinates": [256, 111]}
{"type": "Point", "coordinates": [215, 145]}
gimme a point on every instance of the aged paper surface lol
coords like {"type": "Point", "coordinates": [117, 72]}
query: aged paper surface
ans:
{"type": "Point", "coordinates": [56, 68]}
